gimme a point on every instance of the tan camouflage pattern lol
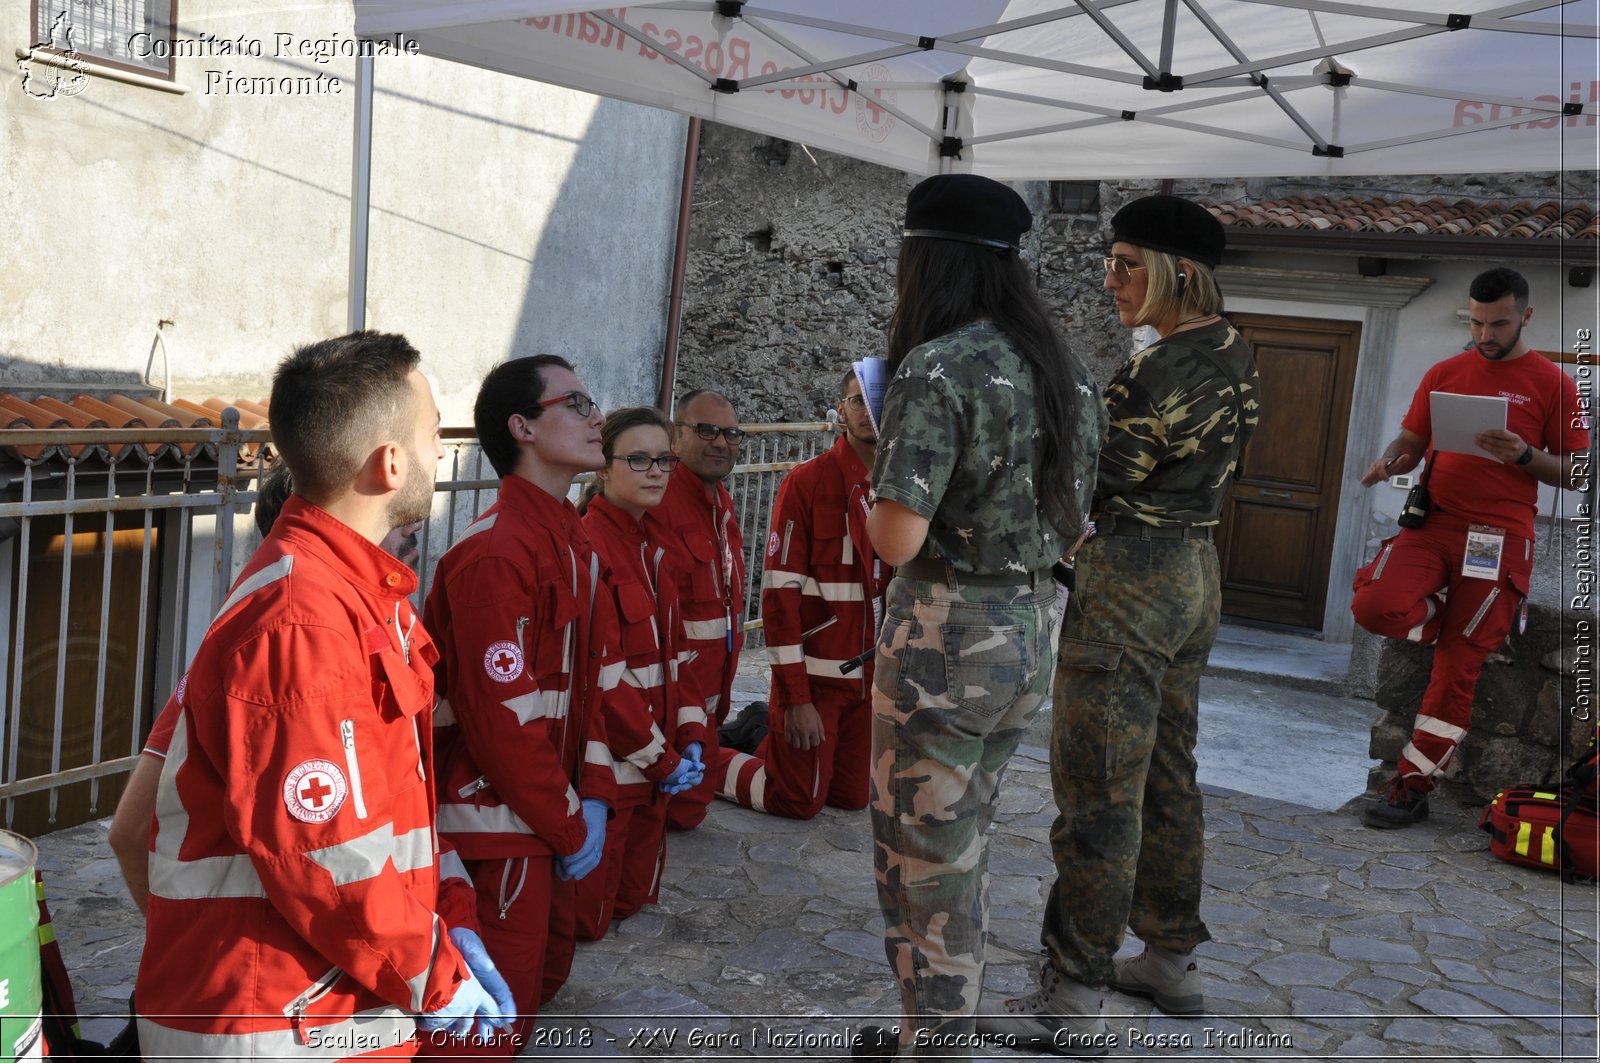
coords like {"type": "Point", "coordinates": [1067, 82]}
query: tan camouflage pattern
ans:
{"type": "Point", "coordinates": [1175, 434]}
{"type": "Point", "coordinates": [1128, 838]}
{"type": "Point", "coordinates": [960, 674]}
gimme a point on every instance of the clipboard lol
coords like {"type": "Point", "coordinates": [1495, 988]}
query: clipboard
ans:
{"type": "Point", "coordinates": [1457, 420]}
{"type": "Point", "coordinates": [873, 375]}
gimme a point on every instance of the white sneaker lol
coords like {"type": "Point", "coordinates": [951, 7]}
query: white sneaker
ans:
{"type": "Point", "coordinates": [1062, 1018]}
{"type": "Point", "coordinates": [1169, 978]}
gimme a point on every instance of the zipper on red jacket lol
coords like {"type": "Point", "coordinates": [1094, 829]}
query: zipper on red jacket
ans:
{"type": "Point", "coordinates": [347, 731]}
{"type": "Point", "coordinates": [296, 1008]}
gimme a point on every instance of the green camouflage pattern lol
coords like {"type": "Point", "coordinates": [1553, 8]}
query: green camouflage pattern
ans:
{"type": "Point", "coordinates": [1175, 435]}
{"type": "Point", "coordinates": [958, 445]}
{"type": "Point", "coordinates": [960, 674]}
{"type": "Point", "coordinates": [1128, 838]}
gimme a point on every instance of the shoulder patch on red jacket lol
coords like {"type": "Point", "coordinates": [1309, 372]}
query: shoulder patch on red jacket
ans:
{"type": "Point", "coordinates": [314, 791]}
{"type": "Point", "coordinates": [772, 544]}
{"type": "Point", "coordinates": [503, 661]}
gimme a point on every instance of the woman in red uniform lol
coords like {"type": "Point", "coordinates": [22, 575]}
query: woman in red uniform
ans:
{"type": "Point", "coordinates": [639, 458]}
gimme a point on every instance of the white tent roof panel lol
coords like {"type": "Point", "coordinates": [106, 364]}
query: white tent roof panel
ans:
{"type": "Point", "coordinates": [1054, 89]}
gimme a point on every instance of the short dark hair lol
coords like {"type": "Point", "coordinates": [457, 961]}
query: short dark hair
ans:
{"type": "Point", "coordinates": [845, 382]}
{"type": "Point", "coordinates": [271, 493]}
{"type": "Point", "coordinates": [1495, 284]}
{"type": "Point", "coordinates": [512, 387]}
{"type": "Point", "coordinates": [333, 401]}
{"type": "Point", "coordinates": [686, 399]}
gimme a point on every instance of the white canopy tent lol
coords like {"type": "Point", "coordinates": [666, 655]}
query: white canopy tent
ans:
{"type": "Point", "coordinates": [1049, 89]}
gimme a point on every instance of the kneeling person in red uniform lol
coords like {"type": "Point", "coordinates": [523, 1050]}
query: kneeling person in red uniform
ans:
{"type": "Point", "coordinates": [821, 605]}
{"type": "Point", "coordinates": [1459, 580]}
{"type": "Point", "coordinates": [293, 876]}
{"type": "Point", "coordinates": [518, 608]}
{"type": "Point", "coordinates": [659, 754]}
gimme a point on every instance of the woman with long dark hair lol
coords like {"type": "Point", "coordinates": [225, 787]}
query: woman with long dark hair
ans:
{"type": "Point", "coordinates": [1128, 838]}
{"type": "Point", "coordinates": [985, 461]}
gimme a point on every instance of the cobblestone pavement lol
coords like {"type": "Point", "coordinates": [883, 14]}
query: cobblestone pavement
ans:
{"type": "Point", "coordinates": [1331, 940]}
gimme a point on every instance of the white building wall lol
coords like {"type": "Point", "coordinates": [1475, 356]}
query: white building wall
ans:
{"type": "Point", "coordinates": [508, 217]}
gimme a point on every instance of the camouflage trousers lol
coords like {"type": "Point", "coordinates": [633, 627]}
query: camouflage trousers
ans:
{"type": "Point", "coordinates": [960, 673]}
{"type": "Point", "coordinates": [1128, 838]}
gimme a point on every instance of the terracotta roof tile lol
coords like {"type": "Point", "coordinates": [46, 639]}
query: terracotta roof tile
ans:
{"type": "Point", "coordinates": [1437, 216]}
{"type": "Point", "coordinates": [117, 410]}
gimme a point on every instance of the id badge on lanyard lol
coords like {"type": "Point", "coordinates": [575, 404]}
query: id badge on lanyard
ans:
{"type": "Point", "coordinates": [1481, 558]}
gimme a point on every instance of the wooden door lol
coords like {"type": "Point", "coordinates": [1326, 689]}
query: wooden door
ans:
{"type": "Point", "coordinates": [106, 695]}
{"type": "Point", "coordinates": [1276, 537]}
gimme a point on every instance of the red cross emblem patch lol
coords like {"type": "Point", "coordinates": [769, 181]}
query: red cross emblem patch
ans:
{"type": "Point", "coordinates": [314, 791]}
{"type": "Point", "coordinates": [503, 661]}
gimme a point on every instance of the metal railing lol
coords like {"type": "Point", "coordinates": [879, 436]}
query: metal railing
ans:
{"type": "Point", "coordinates": [162, 528]}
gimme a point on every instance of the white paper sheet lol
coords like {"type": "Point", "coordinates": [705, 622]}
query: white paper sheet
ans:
{"type": "Point", "coordinates": [1457, 420]}
{"type": "Point", "coordinates": [873, 374]}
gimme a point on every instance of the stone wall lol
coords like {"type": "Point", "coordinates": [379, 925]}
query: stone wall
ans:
{"type": "Point", "coordinates": [791, 267]}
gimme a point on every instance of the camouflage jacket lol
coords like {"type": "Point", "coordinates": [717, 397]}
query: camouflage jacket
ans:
{"type": "Point", "coordinates": [957, 443]}
{"type": "Point", "coordinates": [1176, 432]}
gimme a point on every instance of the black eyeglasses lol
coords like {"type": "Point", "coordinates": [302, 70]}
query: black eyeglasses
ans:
{"type": "Point", "coordinates": [642, 462]}
{"type": "Point", "coordinates": [581, 404]}
{"type": "Point", "coordinates": [708, 432]}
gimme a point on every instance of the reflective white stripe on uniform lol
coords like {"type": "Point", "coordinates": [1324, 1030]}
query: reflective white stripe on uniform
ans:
{"type": "Point", "coordinates": [651, 751]}
{"type": "Point", "coordinates": [1432, 725]}
{"type": "Point", "coordinates": [451, 866]}
{"type": "Point", "coordinates": [840, 592]}
{"type": "Point", "coordinates": [443, 715]}
{"type": "Point", "coordinates": [824, 667]}
{"type": "Point", "coordinates": [691, 714]}
{"type": "Point", "coordinates": [626, 773]}
{"type": "Point", "coordinates": [274, 572]}
{"type": "Point", "coordinates": [1431, 605]}
{"type": "Point", "coordinates": [187, 880]}
{"type": "Point", "coordinates": [713, 703]}
{"type": "Point", "coordinates": [365, 857]}
{"type": "Point", "coordinates": [535, 705]}
{"type": "Point", "coordinates": [646, 676]}
{"type": "Point", "coordinates": [418, 984]}
{"type": "Point", "coordinates": [611, 674]}
{"type": "Point", "coordinates": [481, 819]}
{"type": "Point", "coordinates": [786, 654]}
{"type": "Point", "coordinates": [704, 630]}
{"type": "Point", "coordinates": [596, 753]}
{"type": "Point", "coordinates": [758, 782]}
{"type": "Point", "coordinates": [482, 524]}
{"type": "Point", "coordinates": [1427, 767]}
{"type": "Point", "coordinates": [777, 579]}
{"type": "Point", "coordinates": [385, 1026]}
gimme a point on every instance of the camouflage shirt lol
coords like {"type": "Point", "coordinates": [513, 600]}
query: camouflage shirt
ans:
{"type": "Point", "coordinates": [957, 444]}
{"type": "Point", "coordinates": [1175, 435]}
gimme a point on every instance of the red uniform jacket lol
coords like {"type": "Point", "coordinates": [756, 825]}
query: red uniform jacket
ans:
{"type": "Point", "coordinates": [705, 550]}
{"type": "Point", "coordinates": [653, 647]}
{"type": "Point", "coordinates": [292, 870]}
{"type": "Point", "coordinates": [822, 587]}
{"type": "Point", "coordinates": [518, 611]}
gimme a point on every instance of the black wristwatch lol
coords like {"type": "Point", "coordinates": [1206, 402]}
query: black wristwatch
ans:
{"type": "Point", "coordinates": [1526, 456]}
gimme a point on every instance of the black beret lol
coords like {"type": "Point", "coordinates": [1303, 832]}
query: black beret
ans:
{"type": "Point", "coordinates": [1172, 224]}
{"type": "Point", "coordinates": [969, 208]}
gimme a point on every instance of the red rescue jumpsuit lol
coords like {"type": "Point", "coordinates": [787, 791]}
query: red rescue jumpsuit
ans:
{"type": "Point", "coordinates": [518, 609]}
{"type": "Point", "coordinates": [653, 647]}
{"type": "Point", "coordinates": [705, 551]}
{"type": "Point", "coordinates": [1398, 593]}
{"type": "Point", "coordinates": [821, 605]}
{"type": "Point", "coordinates": [293, 881]}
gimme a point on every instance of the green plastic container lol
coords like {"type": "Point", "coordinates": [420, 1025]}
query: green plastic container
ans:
{"type": "Point", "coordinates": [21, 994]}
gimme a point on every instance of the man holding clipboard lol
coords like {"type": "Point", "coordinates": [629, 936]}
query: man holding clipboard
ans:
{"type": "Point", "coordinates": [1457, 573]}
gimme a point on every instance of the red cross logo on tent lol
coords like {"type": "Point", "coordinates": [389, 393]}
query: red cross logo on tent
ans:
{"type": "Point", "coordinates": [314, 791]}
{"type": "Point", "coordinates": [503, 661]}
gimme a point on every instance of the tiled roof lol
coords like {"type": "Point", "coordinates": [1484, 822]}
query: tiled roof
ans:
{"type": "Point", "coordinates": [23, 410]}
{"type": "Point", "coordinates": [1549, 220]}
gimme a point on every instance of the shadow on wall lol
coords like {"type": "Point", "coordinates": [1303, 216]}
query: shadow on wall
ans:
{"type": "Point", "coordinates": [598, 291]}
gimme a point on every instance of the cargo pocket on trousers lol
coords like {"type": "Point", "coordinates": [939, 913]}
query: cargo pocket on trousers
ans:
{"type": "Point", "coordinates": [1084, 691]}
{"type": "Point", "coordinates": [987, 668]}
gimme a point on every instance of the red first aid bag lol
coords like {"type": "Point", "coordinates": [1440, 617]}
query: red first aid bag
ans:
{"type": "Point", "coordinates": [1550, 826]}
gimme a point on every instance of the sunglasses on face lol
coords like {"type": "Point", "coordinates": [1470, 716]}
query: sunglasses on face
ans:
{"type": "Point", "coordinates": [581, 404]}
{"type": "Point", "coordinates": [708, 432]}
{"type": "Point", "coordinates": [1120, 268]}
{"type": "Point", "coordinates": [642, 462]}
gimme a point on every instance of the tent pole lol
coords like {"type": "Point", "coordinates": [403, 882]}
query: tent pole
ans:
{"type": "Point", "coordinates": [680, 256]}
{"type": "Point", "coordinates": [360, 195]}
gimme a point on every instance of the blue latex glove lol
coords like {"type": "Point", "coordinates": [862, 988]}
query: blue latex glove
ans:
{"type": "Point", "coordinates": [462, 1010]}
{"type": "Point", "coordinates": [687, 774]}
{"type": "Point", "coordinates": [482, 968]}
{"type": "Point", "coordinates": [587, 858]}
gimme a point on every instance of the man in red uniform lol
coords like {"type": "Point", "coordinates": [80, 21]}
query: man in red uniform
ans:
{"type": "Point", "coordinates": [821, 606]}
{"type": "Point", "coordinates": [525, 782]}
{"type": "Point", "coordinates": [1458, 581]}
{"type": "Point", "coordinates": [699, 530]}
{"type": "Point", "coordinates": [293, 876]}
